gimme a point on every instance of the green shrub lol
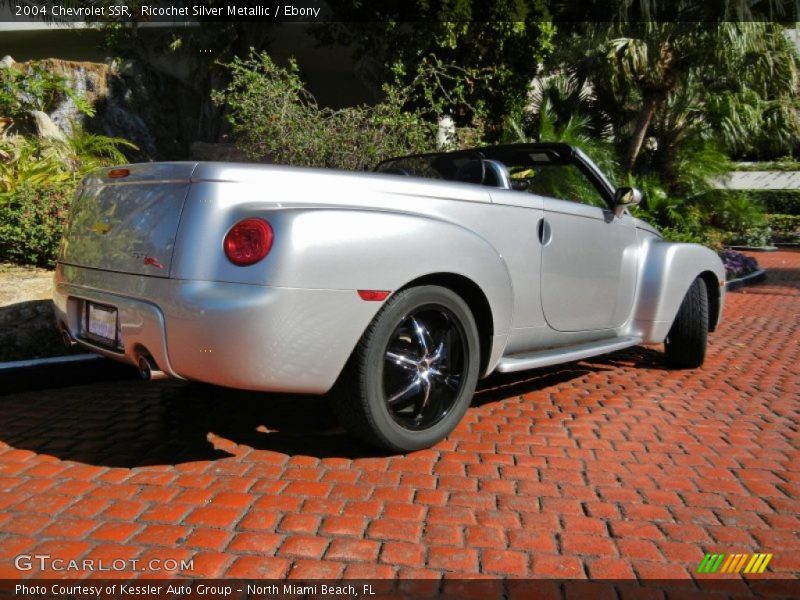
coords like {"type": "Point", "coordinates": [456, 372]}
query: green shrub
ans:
{"type": "Point", "coordinates": [785, 202]}
{"type": "Point", "coordinates": [32, 222]}
{"type": "Point", "coordinates": [33, 162]}
{"type": "Point", "coordinates": [785, 228]}
{"type": "Point", "coordinates": [780, 165]}
{"type": "Point", "coordinates": [756, 237]}
{"type": "Point", "coordinates": [713, 238]}
{"type": "Point", "coordinates": [663, 209]}
{"type": "Point", "coordinates": [732, 211]}
{"type": "Point", "coordinates": [29, 162]}
{"type": "Point", "coordinates": [85, 151]}
{"type": "Point", "coordinates": [275, 119]}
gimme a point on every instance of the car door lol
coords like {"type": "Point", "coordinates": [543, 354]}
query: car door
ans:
{"type": "Point", "coordinates": [588, 271]}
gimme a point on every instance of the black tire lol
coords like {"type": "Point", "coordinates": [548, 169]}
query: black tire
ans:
{"type": "Point", "coordinates": [686, 342]}
{"type": "Point", "coordinates": [412, 376]}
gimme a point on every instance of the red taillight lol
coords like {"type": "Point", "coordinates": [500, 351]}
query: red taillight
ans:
{"type": "Point", "coordinates": [248, 242]}
{"type": "Point", "coordinates": [117, 173]}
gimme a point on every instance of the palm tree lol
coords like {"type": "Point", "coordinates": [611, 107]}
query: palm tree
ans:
{"type": "Point", "coordinates": [643, 70]}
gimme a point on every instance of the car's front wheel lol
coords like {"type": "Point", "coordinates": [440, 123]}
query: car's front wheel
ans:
{"type": "Point", "coordinates": [412, 376]}
{"type": "Point", "coordinates": [687, 338]}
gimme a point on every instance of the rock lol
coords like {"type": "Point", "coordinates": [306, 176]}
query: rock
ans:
{"type": "Point", "coordinates": [87, 80]}
{"type": "Point", "coordinates": [45, 128]}
{"type": "Point", "coordinates": [216, 152]}
{"type": "Point", "coordinates": [157, 112]}
{"type": "Point", "coordinates": [128, 67]}
{"type": "Point", "coordinates": [28, 330]}
{"type": "Point", "coordinates": [6, 62]}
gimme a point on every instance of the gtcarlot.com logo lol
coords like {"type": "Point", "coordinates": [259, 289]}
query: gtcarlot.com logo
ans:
{"type": "Point", "coordinates": [43, 562]}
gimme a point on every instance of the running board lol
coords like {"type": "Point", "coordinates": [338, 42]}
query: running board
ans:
{"type": "Point", "coordinates": [555, 356]}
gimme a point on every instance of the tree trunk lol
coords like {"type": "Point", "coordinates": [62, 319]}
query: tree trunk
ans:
{"type": "Point", "coordinates": [642, 125]}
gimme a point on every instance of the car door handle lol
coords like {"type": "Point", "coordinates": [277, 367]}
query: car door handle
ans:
{"type": "Point", "coordinates": [545, 233]}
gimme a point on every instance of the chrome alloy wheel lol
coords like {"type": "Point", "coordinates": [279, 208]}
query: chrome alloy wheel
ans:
{"type": "Point", "coordinates": [425, 363]}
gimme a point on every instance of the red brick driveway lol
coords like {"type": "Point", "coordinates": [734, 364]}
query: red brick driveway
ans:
{"type": "Point", "coordinates": [610, 468]}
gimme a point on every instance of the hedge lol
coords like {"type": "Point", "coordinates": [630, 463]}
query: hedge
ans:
{"type": "Point", "coordinates": [785, 228]}
{"type": "Point", "coordinates": [32, 222]}
{"type": "Point", "coordinates": [785, 202]}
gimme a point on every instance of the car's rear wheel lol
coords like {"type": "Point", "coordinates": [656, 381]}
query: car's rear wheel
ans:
{"type": "Point", "coordinates": [687, 338]}
{"type": "Point", "coordinates": [412, 376]}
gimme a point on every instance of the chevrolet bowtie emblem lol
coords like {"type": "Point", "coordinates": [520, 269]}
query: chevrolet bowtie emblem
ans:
{"type": "Point", "coordinates": [101, 227]}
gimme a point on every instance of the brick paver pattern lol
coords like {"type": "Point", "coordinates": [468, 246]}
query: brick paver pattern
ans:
{"type": "Point", "coordinates": [613, 467]}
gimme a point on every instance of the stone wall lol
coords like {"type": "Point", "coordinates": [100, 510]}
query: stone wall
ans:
{"type": "Point", "coordinates": [27, 324]}
{"type": "Point", "coordinates": [153, 110]}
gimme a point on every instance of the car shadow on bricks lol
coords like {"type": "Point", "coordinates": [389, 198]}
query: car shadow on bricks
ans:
{"type": "Point", "coordinates": [637, 357]}
{"type": "Point", "coordinates": [500, 386]}
{"type": "Point", "coordinates": [134, 423]}
{"type": "Point", "coordinates": [504, 385]}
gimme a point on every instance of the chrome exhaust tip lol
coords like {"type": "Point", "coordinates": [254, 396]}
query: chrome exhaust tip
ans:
{"type": "Point", "coordinates": [148, 369]}
{"type": "Point", "coordinates": [67, 340]}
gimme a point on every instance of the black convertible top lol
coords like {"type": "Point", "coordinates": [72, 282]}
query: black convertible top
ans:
{"type": "Point", "coordinates": [446, 165]}
{"type": "Point", "coordinates": [549, 169]}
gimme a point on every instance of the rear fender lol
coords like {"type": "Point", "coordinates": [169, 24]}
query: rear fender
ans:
{"type": "Point", "coordinates": [343, 248]}
{"type": "Point", "coordinates": [377, 250]}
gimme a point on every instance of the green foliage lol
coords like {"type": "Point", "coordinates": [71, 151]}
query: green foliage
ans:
{"type": "Point", "coordinates": [696, 163]}
{"type": "Point", "coordinates": [755, 237]}
{"type": "Point", "coordinates": [32, 222]}
{"type": "Point", "coordinates": [713, 238]}
{"type": "Point", "coordinates": [670, 102]}
{"type": "Point", "coordinates": [438, 89]}
{"type": "Point", "coordinates": [715, 217]}
{"type": "Point", "coordinates": [275, 119]}
{"type": "Point", "coordinates": [660, 86]}
{"type": "Point", "coordinates": [551, 116]}
{"type": "Point", "coordinates": [785, 202]}
{"type": "Point", "coordinates": [28, 161]}
{"type": "Point", "coordinates": [663, 209]}
{"type": "Point", "coordinates": [754, 127]}
{"type": "Point", "coordinates": [33, 162]}
{"type": "Point", "coordinates": [505, 42]}
{"type": "Point", "coordinates": [38, 176]}
{"type": "Point", "coordinates": [753, 107]}
{"type": "Point", "coordinates": [779, 165]}
{"type": "Point", "coordinates": [785, 228]}
{"type": "Point", "coordinates": [85, 151]}
{"type": "Point", "coordinates": [35, 88]}
{"type": "Point", "coordinates": [734, 212]}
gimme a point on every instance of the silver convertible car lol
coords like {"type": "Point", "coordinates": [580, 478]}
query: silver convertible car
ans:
{"type": "Point", "coordinates": [394, 290]}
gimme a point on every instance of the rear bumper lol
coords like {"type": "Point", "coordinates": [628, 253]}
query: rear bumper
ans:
{"type": "Point", "coordinates": [234, 335]}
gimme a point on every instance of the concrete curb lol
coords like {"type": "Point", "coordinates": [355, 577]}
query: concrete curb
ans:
{"type": "Point", "coordinates": [44, 362]}
{"type": "Point", "coordinates": [753, 248]}
{"type": "Point", "coordinates": [60, 371]}
{"type": "Point", "coordinates": [751, 279]}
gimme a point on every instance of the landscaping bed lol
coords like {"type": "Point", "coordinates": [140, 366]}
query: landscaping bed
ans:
{"type": "Point", "coordinates": [27, 325]}
{"type": "Point", "coordinates": [738, 265]}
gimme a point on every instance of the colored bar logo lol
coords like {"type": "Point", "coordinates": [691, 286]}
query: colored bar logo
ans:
{"type": "Point", "coordinates": [734, 563]}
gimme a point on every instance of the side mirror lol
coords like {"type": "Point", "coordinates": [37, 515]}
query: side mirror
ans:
{"type": "Point", "coordinates": [625, 197]}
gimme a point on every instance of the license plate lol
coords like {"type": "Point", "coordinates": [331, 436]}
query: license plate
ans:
{"type": "Point", "coordinates": [101, 323]}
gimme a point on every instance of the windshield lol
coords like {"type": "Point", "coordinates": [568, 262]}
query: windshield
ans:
{"type": "Point", "coordinates": [548, 169]}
